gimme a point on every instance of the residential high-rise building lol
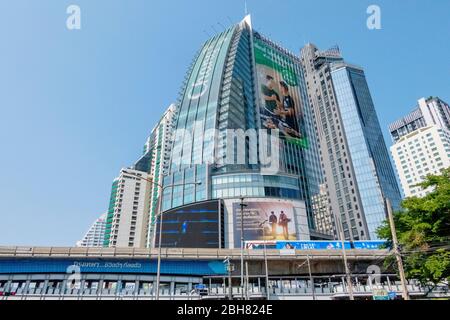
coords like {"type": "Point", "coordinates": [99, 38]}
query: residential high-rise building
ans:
{"type": "Point", "coordinates": [429, 112]}
{"type": "Point", "coordinates": [356, 164]}
{"type": "Point", "coordinates": [134, 199]}
{"type": "Point", "coordinates": [158, 146]}
{"type": "Point", "coordinates": [127, 221]}
{"type": "Point", "coordinates": [421, 144]}
{"type": "Point", "coordinates": [95, 235]}
{"type": "Point", "coordinates": [420, 153]}
{"type": "Point", "coordinates": [323, 219]}
{"type": "Point", "coordinates": [245, 132]}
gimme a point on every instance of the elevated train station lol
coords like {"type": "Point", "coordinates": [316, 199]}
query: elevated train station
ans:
{"type": "Point", "coordinates": [116, 273]}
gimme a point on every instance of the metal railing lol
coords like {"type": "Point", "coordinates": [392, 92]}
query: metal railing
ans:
{"type": "Point", "coordinates": [325, 292]}
{"type": "Point", "coordinates": [219, 254]}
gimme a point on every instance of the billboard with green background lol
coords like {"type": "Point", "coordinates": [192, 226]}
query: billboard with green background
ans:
{"type": "Point", "coordinates": [279, 93]}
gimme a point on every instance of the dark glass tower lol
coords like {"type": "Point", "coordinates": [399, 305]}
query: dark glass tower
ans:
{"type": "Point", "coordinates": [356, 163]}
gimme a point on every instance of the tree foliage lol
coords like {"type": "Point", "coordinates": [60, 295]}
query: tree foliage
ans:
{"type": "Point", "coordinates": [423, 231]}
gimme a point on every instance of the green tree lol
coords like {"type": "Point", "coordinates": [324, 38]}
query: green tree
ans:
{"type": "Point", "coordinates": [423, 230]}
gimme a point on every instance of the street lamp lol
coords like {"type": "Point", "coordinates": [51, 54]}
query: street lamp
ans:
{"type": "Point", "coordinates": [159, 215]}
{"type": "Point", "coordinates": [311, 279]}
{"type": "Point", "coordinates": [243, 205]}
{"type": "Point", "coordinates": [230, 269]}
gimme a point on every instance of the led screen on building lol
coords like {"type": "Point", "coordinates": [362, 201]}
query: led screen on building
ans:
{"type": "Point", "coordinates": [298, 245]}
{"type": "Point", "coordinates": [278, 93]}
{"type": "Point", "coordinates": [192, 226]}
{"type": "Point", "coordinates": [264, 221]}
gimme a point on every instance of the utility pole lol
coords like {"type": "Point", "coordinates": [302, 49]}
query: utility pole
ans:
{"type": "Point", "coordinates": [347, 273]}
{"type": "Point", "coordinates": [397, 254]}
{"type": "Point", "coordinates": [344, 253]}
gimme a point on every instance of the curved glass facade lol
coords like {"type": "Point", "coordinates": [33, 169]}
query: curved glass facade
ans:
{"type": "Point", "coordinates": [220, 114]}
{"type": "Point", "coordinates": [255, 185]}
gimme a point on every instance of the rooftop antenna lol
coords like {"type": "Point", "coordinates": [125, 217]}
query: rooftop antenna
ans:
{"type": "Point", "coordinates": [246, 11]}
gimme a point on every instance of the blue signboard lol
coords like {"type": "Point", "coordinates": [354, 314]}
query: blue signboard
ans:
{"type": "Point", "coordinates": [316, 245]}
{"type": "Point", "coordinates": [172, 267]}
{"type": "Point", "coordinates": [312, 245]}
{"type": "Point", "coordinates": [392, 295]}
{"type": "Point", "coordinates": [199, 287]}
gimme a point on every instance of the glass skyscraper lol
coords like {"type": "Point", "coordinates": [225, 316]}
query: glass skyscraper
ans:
{"type": "Point", "coordinates": [371, 162]}
{"type": "Point", "coordinates": [356, 164]}
{"type": "Point", "coordinates": [242, 128]}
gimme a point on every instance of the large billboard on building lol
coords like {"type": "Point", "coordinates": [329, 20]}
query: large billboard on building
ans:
{"type": "Point", "coordinates": [192, 226]}
{"type": "Point", "coordinates": [298, 245]}
{"type": "Point", "coordinates": [264, 221]}
{"type": "Point", "coordinates": [279, 93]}
{"type": "Point", "coordinates": [316, 245]}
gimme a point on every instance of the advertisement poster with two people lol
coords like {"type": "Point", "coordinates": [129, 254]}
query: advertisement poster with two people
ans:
{"type": "Point", "coordinates": [268, 221]}
{"type": "Point", "coordinates": [279, 94]}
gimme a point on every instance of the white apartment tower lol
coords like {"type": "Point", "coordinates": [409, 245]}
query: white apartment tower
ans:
{"type": "Point", "coordinates": [134, 201]}
{"type": "Point", "coordinates": [418, 154]}
{"type": "Point", "coordinates": [421, 144]}
{"type": "Point", "coordinates": [95, 235]}
{"type": "Point", "coordinates": [127, 222]}
{"type": "Point", "coordinates": [428, 112]}
{"type": "Point", "coordinates": [158, 145]}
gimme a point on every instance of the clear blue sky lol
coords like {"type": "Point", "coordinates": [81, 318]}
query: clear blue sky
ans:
{"type": "Point", "coordinates": [76, 106]}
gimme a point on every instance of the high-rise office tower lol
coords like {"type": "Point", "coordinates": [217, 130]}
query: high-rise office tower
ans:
{"type": "Point", "coordinates": [95, 235]}
{"type": "Point", "coordinates": [135, 193]}
{"type": "Point", "coordinates": [243, 129]}
{"type": "Point", "coordinates": [421, 144]}
{"type": "Point", "coordinates": [356, 163]}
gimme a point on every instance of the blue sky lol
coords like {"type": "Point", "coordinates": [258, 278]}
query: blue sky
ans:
{"type": "Point", "coordinates": [76, 106]}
